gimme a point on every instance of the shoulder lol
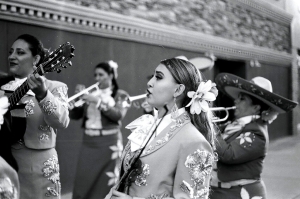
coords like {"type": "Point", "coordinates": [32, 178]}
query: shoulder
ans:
{"type": "Point", "coordinates": [190, 136]}
{"type": "Point", "coordinates": [54, 84]}
{"type": "Point", "coordinates": [258, 127]}
{"type": "Point", "coordinates": [5, 79]}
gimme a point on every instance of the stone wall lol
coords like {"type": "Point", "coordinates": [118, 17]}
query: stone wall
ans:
{"type": "Point", "coordinates": [220, 18]}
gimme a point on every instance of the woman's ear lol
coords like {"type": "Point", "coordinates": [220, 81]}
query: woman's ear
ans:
{"type": "Point", "coordinates": [179, 90]}
{"type": "Point", "coordinates": [36, 60]}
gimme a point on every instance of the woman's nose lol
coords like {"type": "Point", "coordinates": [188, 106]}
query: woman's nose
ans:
{"type": "Point", "coordinates": [11, 56]}
{"type": "Point", "coordinates": [149, 84]}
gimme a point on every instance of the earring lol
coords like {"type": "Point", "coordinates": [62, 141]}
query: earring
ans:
{"type": "Point", "coordinates": [174, 110]}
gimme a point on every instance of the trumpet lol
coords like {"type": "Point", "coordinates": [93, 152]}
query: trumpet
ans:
{"type": "Point", "coordinates": [130, 99]}
{"type": "Point", "coordinates": [85, 91]}
{"type": "Point", "coordinates": [226, 109]}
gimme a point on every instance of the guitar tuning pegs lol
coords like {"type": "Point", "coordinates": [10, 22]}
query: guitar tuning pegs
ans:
{"type": "Point", "coordinates": [72, 55]}
{"type": "Point", "coordinates": [70, 63]}
{"type": "Point", "coordinates": [68, 43]}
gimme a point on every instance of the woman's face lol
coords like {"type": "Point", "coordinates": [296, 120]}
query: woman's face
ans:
{"type": "Point", "coordinates": [161, 87]}
{"type": "Point", "coordinates": [103, 78]}
{"type": "Point", "coordinates": [20, 59]}
{"type": "Point", "coordinates": [244, 106]}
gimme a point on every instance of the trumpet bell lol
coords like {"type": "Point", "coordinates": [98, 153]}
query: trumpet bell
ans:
{"type": "Point", "coordinates": [226, 109]}
{"type": "Point", "coordinates": [128, 102]}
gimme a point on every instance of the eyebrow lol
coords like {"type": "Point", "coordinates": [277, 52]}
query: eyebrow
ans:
{"type": "Point", "coordinates": [159, 72]}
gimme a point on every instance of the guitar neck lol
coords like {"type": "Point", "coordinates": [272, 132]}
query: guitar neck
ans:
{"type": "Point", "coordinates": [16, 96]}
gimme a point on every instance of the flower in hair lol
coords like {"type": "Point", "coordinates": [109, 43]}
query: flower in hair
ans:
{"type": "Point", "coordinates": [114, 66]}
{"type": "Point", "coordinates": [200, 98]}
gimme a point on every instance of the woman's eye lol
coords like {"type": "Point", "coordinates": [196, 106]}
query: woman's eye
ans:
{"type": "Point", "coordinates": [158, 77]}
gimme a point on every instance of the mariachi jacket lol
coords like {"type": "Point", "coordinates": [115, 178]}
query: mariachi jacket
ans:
{"type": "Point", "coordinates": [241, 156]}
{"type": "Point", "coordinates": [110, 118]}
{"type": "Point", "coordinates": [177, 163]}
{"type": "Point", "coordinates": [44, 117]}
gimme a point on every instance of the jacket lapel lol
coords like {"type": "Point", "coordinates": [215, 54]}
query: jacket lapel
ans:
{"type": "Point", "coordinates": [167, 134]}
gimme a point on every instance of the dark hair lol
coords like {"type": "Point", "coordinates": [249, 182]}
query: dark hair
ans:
{"type": "Point", "coordinates": [35, 46]}
{"type": "Point", "coordinates": [109, 70]}
{"type": "Point", "coordinates": [186, 73]}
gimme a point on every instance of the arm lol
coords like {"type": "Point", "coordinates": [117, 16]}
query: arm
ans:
{"type": "Point", "coordinates": [193, 171]}
{"type": "Point", "coordinates": [249, 145]}
{"type": "Point", "coordinates": [55, 107]}
{"type": "Point", "coordinates": [118, 111]}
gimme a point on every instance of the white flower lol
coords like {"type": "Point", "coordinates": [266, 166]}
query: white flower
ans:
{"type": "Point", "coordinates": [245, 137]}
{"type": "Point", "coordinates": [117, 150]}
{"type": "Point", "coordinates": [200, 97]}
{"type": "Point", "coordinates": [245, 194]}
{"type": "Point", "coordinates": [114, 66]}
{"type": "Point", "coordinates": [113, 176]}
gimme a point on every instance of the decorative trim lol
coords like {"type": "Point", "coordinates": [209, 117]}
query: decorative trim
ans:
{"type": "Point", "coordinates": [68, 17]}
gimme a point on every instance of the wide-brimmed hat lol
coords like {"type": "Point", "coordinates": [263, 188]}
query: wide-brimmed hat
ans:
{"type": "Point", "coordinates": [258, 87]}
{"type": "Point", "coordinates": [202, 63]}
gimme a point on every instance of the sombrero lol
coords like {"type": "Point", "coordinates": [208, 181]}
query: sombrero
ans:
{"type": "Point", "coordinates": [202, 63]}
{"type": "Point", "coordinates": [258, 87]}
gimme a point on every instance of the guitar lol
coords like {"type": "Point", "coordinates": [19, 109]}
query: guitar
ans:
{"type": "Point", "coordinates": [14, 127]}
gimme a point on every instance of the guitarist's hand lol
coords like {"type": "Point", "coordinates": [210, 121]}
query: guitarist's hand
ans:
{"type": "Point", "coordinates": [120, 195]}
{"type": "Point", "coordinates": [37, 84]}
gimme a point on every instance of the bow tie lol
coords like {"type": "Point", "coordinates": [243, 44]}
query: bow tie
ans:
{"type": "Point", "coordinates": [141, 128]}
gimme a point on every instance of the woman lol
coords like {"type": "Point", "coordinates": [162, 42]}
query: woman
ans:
{"type": "Point", "coordinates": [102, 141]}
{"type": "Point", "coordinates": [177, 160]}
{"type": "Point", "coordinates": [44, 109]}
{"type": "Point", "coordinates": [242, 147]}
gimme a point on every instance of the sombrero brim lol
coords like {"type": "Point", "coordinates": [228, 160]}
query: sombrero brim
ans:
{"type": "Point", "coordinates": [232, 85]}
{"type": "Point", "coordinates": [202, 63]}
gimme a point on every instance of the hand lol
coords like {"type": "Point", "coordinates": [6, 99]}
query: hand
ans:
{"type": "Point", "coordinates": [90, 98]}
{"type": "Point", "coordinates": [37, 84]}
{"type": "Point", "coordinates": [119, 195]}
{"type": "Point", "coordinates": [79, 87]}
{"type": "Point", "coordinates": [147, 107]}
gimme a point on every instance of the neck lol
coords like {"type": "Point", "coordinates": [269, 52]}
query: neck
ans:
{"type": "Point", "coordinates": [162, 110]}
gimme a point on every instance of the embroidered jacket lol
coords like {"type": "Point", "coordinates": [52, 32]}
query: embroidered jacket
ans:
{"type": "Point", "coordinates": [241, 155]}
{"type": "Point", "coordinates": [110, 116]}
{"type": "Point", "coordinates": [177, 163]}
{"type": "Point", "coordinates": [44, 117]}
{"type": "Point", "coordinates": [9, 182]}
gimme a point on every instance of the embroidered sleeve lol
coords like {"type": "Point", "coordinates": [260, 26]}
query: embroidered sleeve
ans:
{"type": "Point", "coordinates": [55, 108]}
{"type": "Point", "coordinates": [193, 172]}
{"type": "Point", "coordinates": [246, 147]}
{"type": "Point", "coordinates": [118, 111]}
{"type": "Point", "coordinates": [7, 189]}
